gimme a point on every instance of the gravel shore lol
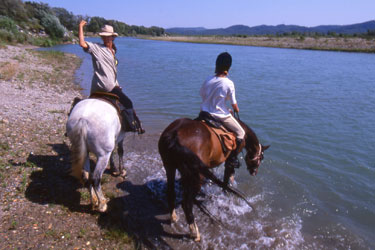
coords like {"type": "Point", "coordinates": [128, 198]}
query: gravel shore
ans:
{"type": "Point", "coordinates": [41, 206]}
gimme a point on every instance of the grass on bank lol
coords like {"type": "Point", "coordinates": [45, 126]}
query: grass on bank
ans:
{"type": "Point", "coordinates": [8, 70]}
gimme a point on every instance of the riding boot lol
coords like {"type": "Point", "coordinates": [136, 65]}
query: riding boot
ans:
{"type": "Point", "coordinates": [140, 129]}
{"type": "Point", "coordinates": [131, 121]}
{"type": "Point", "coordinates": [232, 160]}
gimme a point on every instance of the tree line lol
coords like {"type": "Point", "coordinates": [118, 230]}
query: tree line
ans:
{"type": "Point", "coordinates": [369, 34]}
{"type": "Point", "coordinates": [29, 21]}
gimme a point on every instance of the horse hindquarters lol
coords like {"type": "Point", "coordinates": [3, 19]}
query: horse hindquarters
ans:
{"type": "Point", "coordinates": [174, 157]}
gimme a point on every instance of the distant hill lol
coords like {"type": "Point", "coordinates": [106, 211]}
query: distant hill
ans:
{"type": "Point", "coordinates": [279, 29]}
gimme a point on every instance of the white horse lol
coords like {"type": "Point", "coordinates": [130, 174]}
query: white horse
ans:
{"type": "Point", "coordinates": [94, 126]}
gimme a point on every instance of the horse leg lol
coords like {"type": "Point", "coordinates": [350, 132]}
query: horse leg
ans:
{"type": "Point", "coordinates": [96, 178]}
{"type": "Point", "coordinates": [112, 165]}
{"type": "Point", "coordinates": [120, 151]}
{"type": "Point", "coordinates": [87, 178]}
{"type": "Point", "coordinates": [191, 189]}
{"type": "Point", "coordinates": [86, 169]}
{"type": "Point", "coordinates": [171, 194]}
{"type": "Point", "coordinates": [120, 170]}
{"type": "Point", "coordinates": [94, 197]}
{"type": "Point", "coordinates": [228, 175]}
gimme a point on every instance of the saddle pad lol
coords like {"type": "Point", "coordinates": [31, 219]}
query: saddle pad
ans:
{"type": "Point", "coordinates": [226, 138]}
{"type": "Point", "coordinates": [108, 97]}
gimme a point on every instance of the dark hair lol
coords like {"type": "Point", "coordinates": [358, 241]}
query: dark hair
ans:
{"type": "Point", "coordinates": [223, 62]}
{"type": "Point", "coordinates": [114, 47]}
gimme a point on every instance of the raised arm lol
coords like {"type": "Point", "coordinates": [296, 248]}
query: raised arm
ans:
{"type": "Point", "coordinates": [81, 37]}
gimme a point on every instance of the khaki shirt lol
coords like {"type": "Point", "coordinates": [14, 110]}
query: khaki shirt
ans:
{"type": "Point", "coordinates": [105, 68]}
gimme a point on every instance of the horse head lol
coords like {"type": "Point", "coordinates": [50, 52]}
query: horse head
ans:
{"type": "Point", "coordinates": [254, 150]}
{"type": "Point", "coordinates": [253, 160]}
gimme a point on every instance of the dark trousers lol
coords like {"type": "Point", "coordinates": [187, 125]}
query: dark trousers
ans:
{"type": "Point", "coordinates": [124, 100]}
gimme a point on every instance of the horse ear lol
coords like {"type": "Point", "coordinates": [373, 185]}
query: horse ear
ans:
{"type": "Point", "coordinates": [265, 147]}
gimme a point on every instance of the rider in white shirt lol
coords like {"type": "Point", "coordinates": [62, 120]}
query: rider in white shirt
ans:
{"type": "Point", "coordinates": [215, 91]}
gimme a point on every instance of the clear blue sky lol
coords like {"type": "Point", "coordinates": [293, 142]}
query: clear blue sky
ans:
{"type": "Point", "coordinates": [223, 13]}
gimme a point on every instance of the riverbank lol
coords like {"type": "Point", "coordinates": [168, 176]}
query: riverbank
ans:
{"type": "Point", "coordinates": [41, 207]}
{"type": "Point", "coordinates": [311, 43]}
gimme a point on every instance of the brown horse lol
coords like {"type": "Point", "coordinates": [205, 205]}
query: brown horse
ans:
{"type": "Point", "coordinates": [192, 148]}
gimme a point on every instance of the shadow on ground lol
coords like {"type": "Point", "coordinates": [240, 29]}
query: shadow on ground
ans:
{"type": "Point", "coordinates": [52, 184]}
{"type": "Point", "coordinates": [142, 217]}
{"type": "Point", "coordinates": [134, 213]}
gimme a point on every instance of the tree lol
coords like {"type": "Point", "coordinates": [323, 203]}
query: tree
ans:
{"type": "Point", "coordinates": [38, 10]}
{"type": "Point", "coordinates": [53, 27]}
{"type": "Point", "coordinates": [8, 24]}
{"type": "Point", "coordinates": [95, 24]}
{"type": "Point", "coordinates": [14, 9]}
{"type": "Point", "coordinates": [66, 18]}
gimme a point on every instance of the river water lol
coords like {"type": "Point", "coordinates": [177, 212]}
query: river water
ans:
{"type": "Point", "coordinates": [316, 187]}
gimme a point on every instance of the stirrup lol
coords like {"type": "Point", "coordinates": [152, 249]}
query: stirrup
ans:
{"type": "Point", "coordinates": [141, 130]}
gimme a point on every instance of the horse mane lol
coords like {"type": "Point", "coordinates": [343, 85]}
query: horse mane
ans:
{"type": "Point", "coordinates": [250, 137]}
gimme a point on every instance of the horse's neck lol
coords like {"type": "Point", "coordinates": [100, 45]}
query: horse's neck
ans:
{"type": "Point", "coordinates": [251, 138]}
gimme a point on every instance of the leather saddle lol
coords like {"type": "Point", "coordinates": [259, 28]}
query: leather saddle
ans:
{"type": "Point", "coordinates": [227, 138]}
{"type": "Point", "coordinates": [109, 98]}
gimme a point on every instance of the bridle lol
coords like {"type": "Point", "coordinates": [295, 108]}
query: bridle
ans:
{"type": "Point", "coordinates": [259, 155]}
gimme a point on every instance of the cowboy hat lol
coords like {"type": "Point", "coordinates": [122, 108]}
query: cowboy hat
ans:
{"type": "Point", "coordinates": [107, 30]}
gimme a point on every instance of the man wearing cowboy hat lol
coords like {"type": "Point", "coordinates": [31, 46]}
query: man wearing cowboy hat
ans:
{"type": "Point", "coordinates": [105, 72]}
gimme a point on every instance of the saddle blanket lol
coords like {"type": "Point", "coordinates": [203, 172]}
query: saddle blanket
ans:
{"type": "Point", "coordinates": [226, 138]}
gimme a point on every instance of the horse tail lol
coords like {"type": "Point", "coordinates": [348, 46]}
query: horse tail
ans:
{"type": "Point", "coordinates": [190, 165]}
{"type": "Point", "coordinates": [79, 152]}
{"type": "Point", "coordinates": [176, 156]}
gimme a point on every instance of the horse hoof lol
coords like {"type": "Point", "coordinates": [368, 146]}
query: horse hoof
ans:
{"type": "Point", "coordinates": [194, 232]}
{"type": "Point", "coordinates": [115, 173]}
{"type": "Point", "coordinates": [94, 202]}
{"type": "Point", "coordinates": [85, 176]}
{"type": "Point", "coordinates": [174, 217]}
{"type": "Point", "coordinates": [103, 208]}
{"type": "Point", "coordinates": [231, 179]}
{"type": "Point", "coordinates": [123, 173]}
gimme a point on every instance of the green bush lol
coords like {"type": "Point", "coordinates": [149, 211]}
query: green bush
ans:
{"type": "Point", "coordinates": [53, 27]}
{"type": "Point", "coordinates": [6, 36]}
{"type": "Point", "coordinates": [21, 37]}
{"type": "Point", "coordinates": [42, 41]}
{"type": "Point", "coordinates": [7, 23]}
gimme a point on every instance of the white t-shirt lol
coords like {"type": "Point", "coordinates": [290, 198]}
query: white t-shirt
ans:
{"type": "Point", "coordinates": [215, 91]}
